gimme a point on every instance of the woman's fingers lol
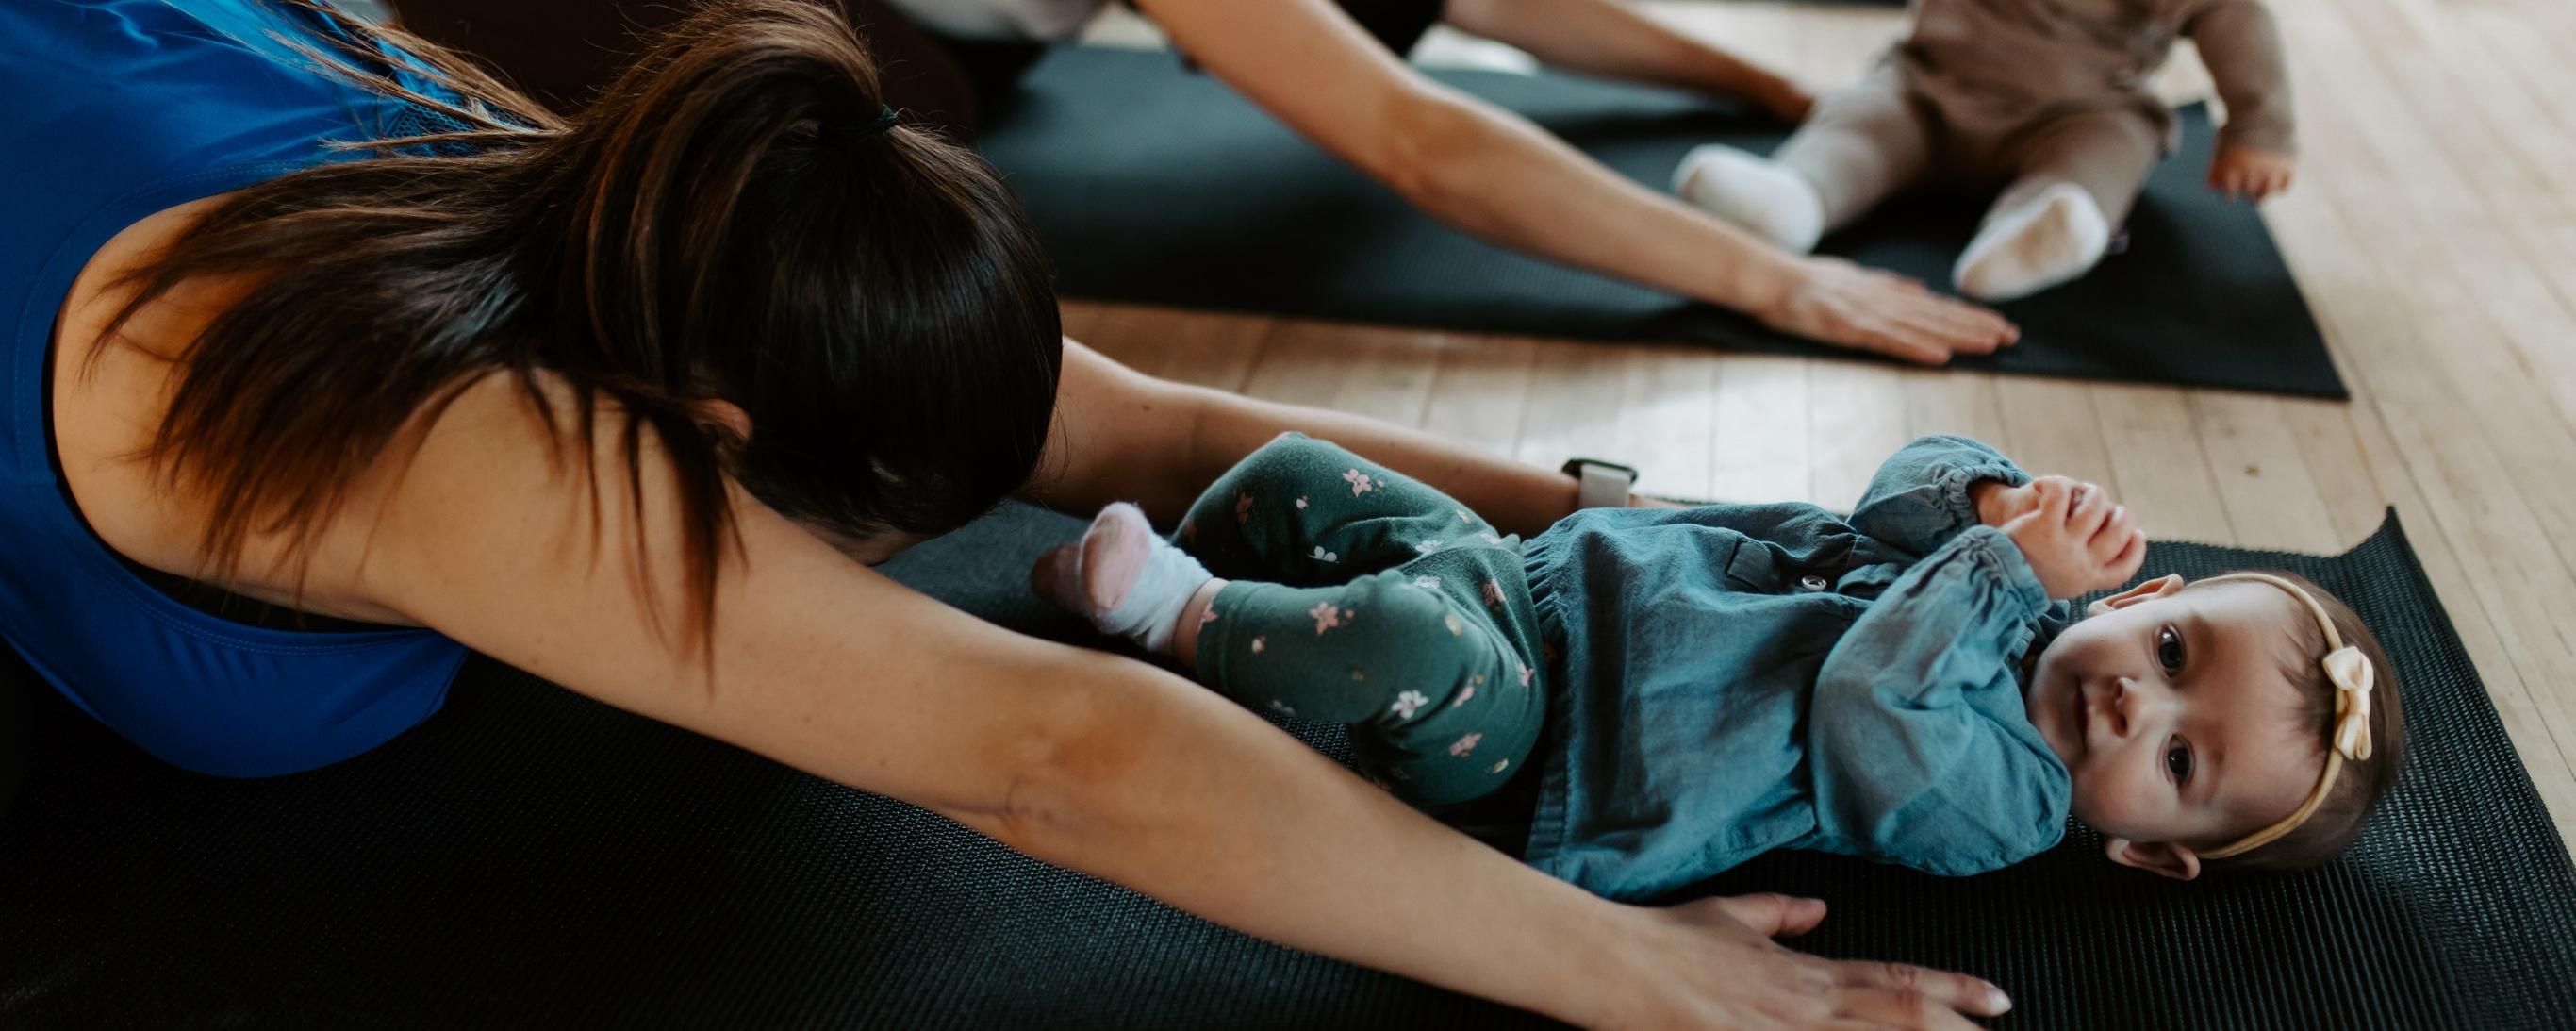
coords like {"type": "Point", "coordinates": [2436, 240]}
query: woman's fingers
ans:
{"type": "Point", "coordinates": [1772, 915]}
{"type": "Point", "coordinates": [1896, 342]}
{"type": "Point", "coordinates": [1841, 303]}
{"type": "Point", "coordinates": [1917, 994]}
{"type": "Point", "coordinates": [1880, 1007]}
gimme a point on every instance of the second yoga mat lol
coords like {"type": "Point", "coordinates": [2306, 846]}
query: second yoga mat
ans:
{"type": "Point", "coordinates": [1152, 184]}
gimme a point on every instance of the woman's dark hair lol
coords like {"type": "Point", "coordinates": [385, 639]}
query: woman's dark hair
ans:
{"type": "Point", "coordinates": [727, 222]}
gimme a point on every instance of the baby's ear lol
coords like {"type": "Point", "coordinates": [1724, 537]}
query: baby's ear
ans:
{"type": "Point", "coordinates": [2160, 857]}
{"type": "Point", "coordinates": [2156, 588]}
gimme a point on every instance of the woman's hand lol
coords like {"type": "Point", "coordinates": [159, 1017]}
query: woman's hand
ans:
{"type": "Point", "coordinates": [1712, 963]}
{"type": "Point", "coordinates": [1837, 302]}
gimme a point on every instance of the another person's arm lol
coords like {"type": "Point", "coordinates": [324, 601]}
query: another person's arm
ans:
{"type": "Point", "coordinates": [1494, 174]}
{"type": "Point", "coordinates": [1121, 435]}
{"type": "Point", "coordinates": [1612, 39]}
{"type": "Point", "coordinates": [1081, 759]}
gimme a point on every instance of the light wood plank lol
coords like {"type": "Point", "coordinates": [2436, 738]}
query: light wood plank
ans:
{"type": "Point", "coordinates": [2262, 475]}
{"type": "Point", "coordinates": [1762, 442]}
{"type": "Point", "coordinates": [1856, 417]}
{"type": "Point", "coordinates": [2158, 467]}
{"type": "Point", "coordinates": [2050, 427]}
{"type": "Point", "coordinates": [1480, 389]}
{"type": "Point", "coordinates": [1668, 420]}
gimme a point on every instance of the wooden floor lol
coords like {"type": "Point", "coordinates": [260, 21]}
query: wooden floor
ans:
{"type": "Point", "coordinates": [2433, 229]}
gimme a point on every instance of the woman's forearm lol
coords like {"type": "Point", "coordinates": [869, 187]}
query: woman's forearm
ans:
{"type": "Point", "coordinates": [1121, 435]}
{"type": "Point", "coordinates": [1514, 496]}
{"type": "Point", "coordinates": [1183, 796]}
{"type": "Point", "coordinates": [1493, 174]}
{"type": "Point", "coordinates": [1467, 163]}
{"type": "Point", "coordinates": [1612, 38]}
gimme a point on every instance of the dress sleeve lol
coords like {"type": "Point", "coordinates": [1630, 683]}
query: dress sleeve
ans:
{"type": "Point", "coordinates": [1919, 745]}
{"type": "Point", "coordinates": [1918, 500]}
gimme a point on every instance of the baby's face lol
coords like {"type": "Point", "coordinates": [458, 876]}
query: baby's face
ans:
{"type": "Point", "coordinates": [2177, 717]}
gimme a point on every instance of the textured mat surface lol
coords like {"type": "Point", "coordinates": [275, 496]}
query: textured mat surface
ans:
{"type": "Point", "coordinates": [531, 859]}
{"type": "Point", "coordinates": [1154, 185]}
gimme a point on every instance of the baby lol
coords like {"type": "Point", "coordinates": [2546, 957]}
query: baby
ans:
{"type": "Point", "coordinates": [2046, 99]}
{"type": "Point", "coordinates": [1695, 687]}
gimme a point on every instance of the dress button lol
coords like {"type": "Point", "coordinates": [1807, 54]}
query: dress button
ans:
{"type": "Point", "coordinates": [1812, 583]}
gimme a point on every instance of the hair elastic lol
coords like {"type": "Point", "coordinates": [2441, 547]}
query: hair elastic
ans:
{"type": "Point", "coordinates": [2351, 674]}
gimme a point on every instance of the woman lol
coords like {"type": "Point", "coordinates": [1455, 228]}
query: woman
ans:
{"type": "Point", "coordinates": [1322, 71]}
{"type": "Point", "coordinates": [627, 401]}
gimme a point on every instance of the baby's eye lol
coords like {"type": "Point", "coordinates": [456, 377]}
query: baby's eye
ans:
{"type": "Point", "coordinates": [2169, 650]}
{"type": "Point", "coordinates": [2178, 762]}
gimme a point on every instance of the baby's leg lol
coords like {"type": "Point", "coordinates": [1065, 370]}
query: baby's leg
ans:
{"type": "Point", "coordinates": [1441, 707]}
{"type": "Point", "coordinates": [2076, 178]}
{"type": "Point", "coordinates": [1298, 511]}
{"type": "Point", "coordinates": [1303, 511]}
{"type": "Point", "coordinates": [1861, 145]}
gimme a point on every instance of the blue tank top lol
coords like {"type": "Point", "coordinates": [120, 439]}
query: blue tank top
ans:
{"type": "Point", "coordinates": [114, 110]}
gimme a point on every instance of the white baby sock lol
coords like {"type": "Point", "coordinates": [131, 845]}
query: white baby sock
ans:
{"type": "Point", "coordinates": [2050, 239]}
{"type": "Point", "coordinates": [1774, 202]}
{"type": "Point", "coordinates": [1163, 578]}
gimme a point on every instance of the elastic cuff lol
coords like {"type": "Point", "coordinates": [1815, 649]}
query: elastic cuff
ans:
{"type": "Point", "coordinates": [1996, 555]}
{"type": "Point", "coordinates": [1955, 484]}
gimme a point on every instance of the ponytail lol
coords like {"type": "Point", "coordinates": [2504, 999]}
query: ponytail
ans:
{"type": "Point", "coordinates": [728, 222]}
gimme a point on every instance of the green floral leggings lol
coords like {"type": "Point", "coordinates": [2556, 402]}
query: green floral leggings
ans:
{"type": "Point", "coordinates": [1362, 597]}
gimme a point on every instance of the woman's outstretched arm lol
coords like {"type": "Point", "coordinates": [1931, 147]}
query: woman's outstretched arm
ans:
{"type": "Point", "coordinates": [1084, 760]}
{"type": "Point", "coordinates": [1121, 435]}
{"type": "Point", "coordinates": [1612, 38]}
{"type": "Point", "coordinates": [1489, 172]}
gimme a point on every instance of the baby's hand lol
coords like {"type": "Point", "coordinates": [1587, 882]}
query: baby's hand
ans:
{"type": "Point", "coordinates": [2250, 172]}
{"type": "Point", "coordinates": [2075, 538]}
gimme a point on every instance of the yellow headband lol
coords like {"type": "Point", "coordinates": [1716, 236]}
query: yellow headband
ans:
{"type": "Point", "coordinates": [2350, 673]}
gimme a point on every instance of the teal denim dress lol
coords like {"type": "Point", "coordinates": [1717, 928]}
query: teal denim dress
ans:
{"type": "Point", "coordinates": [1743, 678]}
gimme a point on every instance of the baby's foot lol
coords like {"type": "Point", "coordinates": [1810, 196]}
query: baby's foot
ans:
{"type": "Point", "coordinates": [1121, 577]}
{"type": "Point", "coordinates": [2050, 239]}
{"type": "Point", "coordinates": [1773, 202]}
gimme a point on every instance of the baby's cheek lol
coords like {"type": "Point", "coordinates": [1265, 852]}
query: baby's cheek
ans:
{"type": "Point", "coordinates": [2107, 803]}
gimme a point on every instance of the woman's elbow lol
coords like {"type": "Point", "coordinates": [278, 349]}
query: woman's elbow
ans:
{"type": "Point", "coordinates": [1429, 150]}
{"type": "Point", "coordinates": [1077, 776]}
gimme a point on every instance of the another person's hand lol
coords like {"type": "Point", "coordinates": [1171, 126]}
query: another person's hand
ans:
{"type": "Point", "coordinates": [2074, 537]}
{"type": "Point", "coordinates": [2251, 173]}
{"type": "Point", "coordinates": [1837, 302]}
{"type": "Point", "coordinates": [1712, 963]}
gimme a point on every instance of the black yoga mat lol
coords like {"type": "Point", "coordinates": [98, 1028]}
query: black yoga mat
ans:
{"type": "Point", "coordinates": [528, 858]}
{"type": "Point", "coordinates": [1151, 184]}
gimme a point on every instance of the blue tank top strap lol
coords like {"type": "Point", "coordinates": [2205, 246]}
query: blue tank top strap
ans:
{"type": "Point", "coordinates": [120, 109]}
